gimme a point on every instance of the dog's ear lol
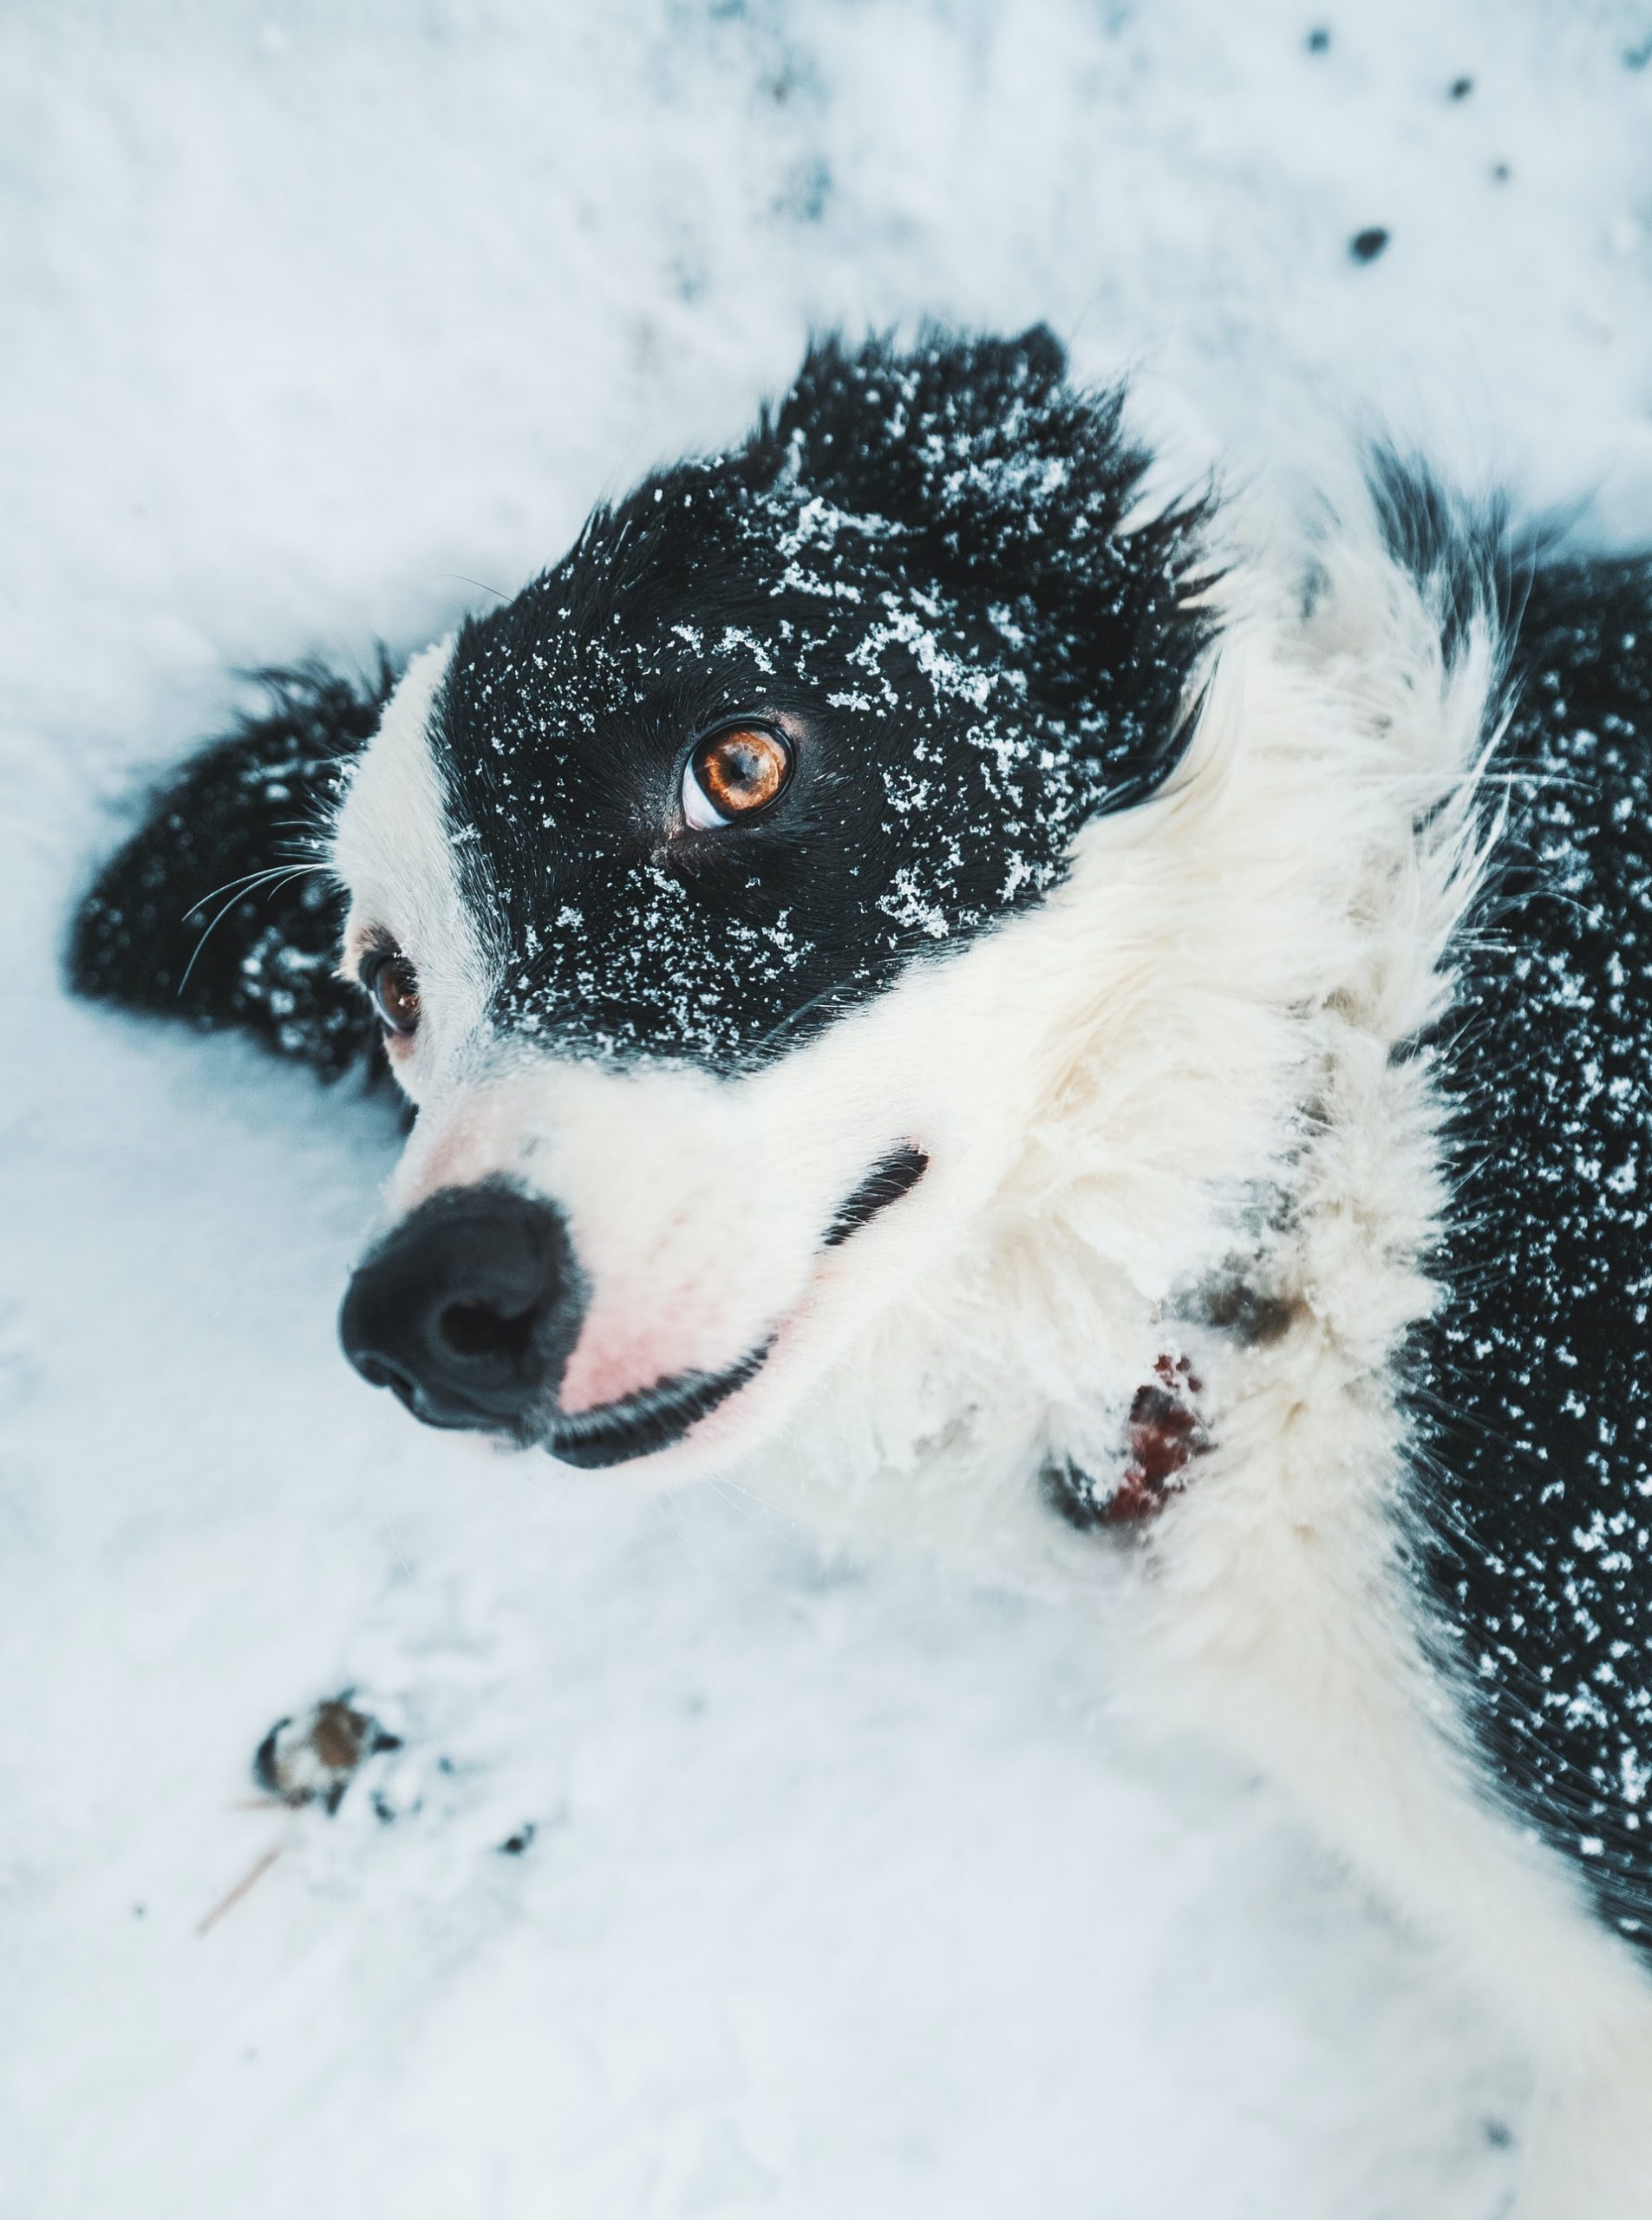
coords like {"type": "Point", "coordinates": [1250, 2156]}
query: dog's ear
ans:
{"type": "Point", "coordinates": [955, 432]}
{"type": "Point", "coordinates": [219, 909]}
{"type": "Point", "coordinates": [1008, 488]}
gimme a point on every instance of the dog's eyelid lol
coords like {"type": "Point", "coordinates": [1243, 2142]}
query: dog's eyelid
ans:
{"type": "Point", "coordinates": [390, 981]}
{"type": "Point", "coordinates": [363, 948]}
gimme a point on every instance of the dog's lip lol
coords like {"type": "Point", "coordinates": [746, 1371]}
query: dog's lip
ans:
{"type": "Point", "coordinates": [653, 1418]}
{"type": "Point", "coordinates": [897, 1171]}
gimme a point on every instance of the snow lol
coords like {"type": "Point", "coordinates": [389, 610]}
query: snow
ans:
{"type": "Point", "coordinates": [843, 1895]}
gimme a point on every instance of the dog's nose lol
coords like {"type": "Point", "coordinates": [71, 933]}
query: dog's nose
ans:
{"type": "Point", "coordinates": [468, 1308]}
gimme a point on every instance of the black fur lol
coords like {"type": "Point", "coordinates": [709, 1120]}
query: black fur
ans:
{"type": "Point", "coordinates": [1535, 1380]}
{"type": "Point", "coordinates": [179, 923]}
{"type": "Point", "coordinates": [1462, 553]}
{"type": "Point", "coordinates": [916, 560]}
{"type": "Point", "coordinates": [916, 566]}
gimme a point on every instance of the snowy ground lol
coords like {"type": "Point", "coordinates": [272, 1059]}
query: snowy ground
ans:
{"type": "Point", "coordinates": [842, 1896]}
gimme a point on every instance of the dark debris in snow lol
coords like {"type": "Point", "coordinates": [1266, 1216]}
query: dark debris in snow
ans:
{"type": "Point", "coordinates": [313, 1757]}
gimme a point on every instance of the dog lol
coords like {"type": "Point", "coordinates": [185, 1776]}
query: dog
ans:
{"type": "Point", "coordinates": [1101, 1036]}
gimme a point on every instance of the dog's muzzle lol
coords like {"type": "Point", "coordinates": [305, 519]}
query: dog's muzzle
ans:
{"type": "Point", "coordinates": [468, 1310]}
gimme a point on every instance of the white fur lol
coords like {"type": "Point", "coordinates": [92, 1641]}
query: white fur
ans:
{"type": "Point", "coordinates": [1118, 1092]}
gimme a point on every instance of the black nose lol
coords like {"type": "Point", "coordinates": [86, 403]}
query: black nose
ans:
{"type": "Point", "coordinates": [468, 1310]}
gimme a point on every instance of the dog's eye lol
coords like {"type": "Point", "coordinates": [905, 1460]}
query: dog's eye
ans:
{"type": "Point", "coordinates": [734, 774]}
{"type": "Point", "coordinates": [393, 985]}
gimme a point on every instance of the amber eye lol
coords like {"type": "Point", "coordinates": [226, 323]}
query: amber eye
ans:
{"type": "Point", "coordinates": [734, 774]}
{"type": "Point", "coordinates": [394, 984]}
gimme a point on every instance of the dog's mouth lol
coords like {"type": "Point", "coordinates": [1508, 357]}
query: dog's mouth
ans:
{"type": "Point", "coordinates": [891, 1177]}
{"type": "Point", "coordinates": [653, 1418]}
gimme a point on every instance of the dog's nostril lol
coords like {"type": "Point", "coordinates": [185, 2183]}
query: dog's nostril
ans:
{"type": "Point", "coordinates": [377, 1373]}
{"type": "Point", "coordinates": [467, 1311]}
{"type": "Point", "coordinates": [478, 1329]}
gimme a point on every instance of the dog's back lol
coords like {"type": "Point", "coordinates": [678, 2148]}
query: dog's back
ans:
{"type": "Point", "coordinates": [1535, 1376]}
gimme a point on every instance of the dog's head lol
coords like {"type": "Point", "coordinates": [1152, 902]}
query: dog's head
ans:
{"type": "Point", "coordinates": [678, 883]}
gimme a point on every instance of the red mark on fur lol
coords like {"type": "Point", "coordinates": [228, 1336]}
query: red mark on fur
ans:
{"type": "Point", "coordinates": [1165, 1434]}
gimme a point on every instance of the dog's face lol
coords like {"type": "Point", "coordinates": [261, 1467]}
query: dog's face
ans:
{"type": "Point", "coordinates": [675, 884]}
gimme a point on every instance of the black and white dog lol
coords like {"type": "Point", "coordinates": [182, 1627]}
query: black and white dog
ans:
{"type": "Point", "coordinates": [1103, 1037]}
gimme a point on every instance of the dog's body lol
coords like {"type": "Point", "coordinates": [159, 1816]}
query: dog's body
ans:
{"type": "Point", "coordinates": [1048, 1030]}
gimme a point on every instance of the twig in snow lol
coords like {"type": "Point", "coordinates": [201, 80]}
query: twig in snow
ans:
{"type": "Point", "coordinates": [241, 1889]}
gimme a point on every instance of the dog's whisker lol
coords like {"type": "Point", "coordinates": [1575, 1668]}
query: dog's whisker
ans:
{"type": "Point", "coordinates": [284, 877]}
{"type": "Point", "coordinates": [251, 880]}
{"type": "Point", "coordinates": [482, 584]}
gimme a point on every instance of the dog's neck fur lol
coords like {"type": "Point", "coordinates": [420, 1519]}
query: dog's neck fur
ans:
{"type": "Point", "coordinates": [1224, 1135]}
